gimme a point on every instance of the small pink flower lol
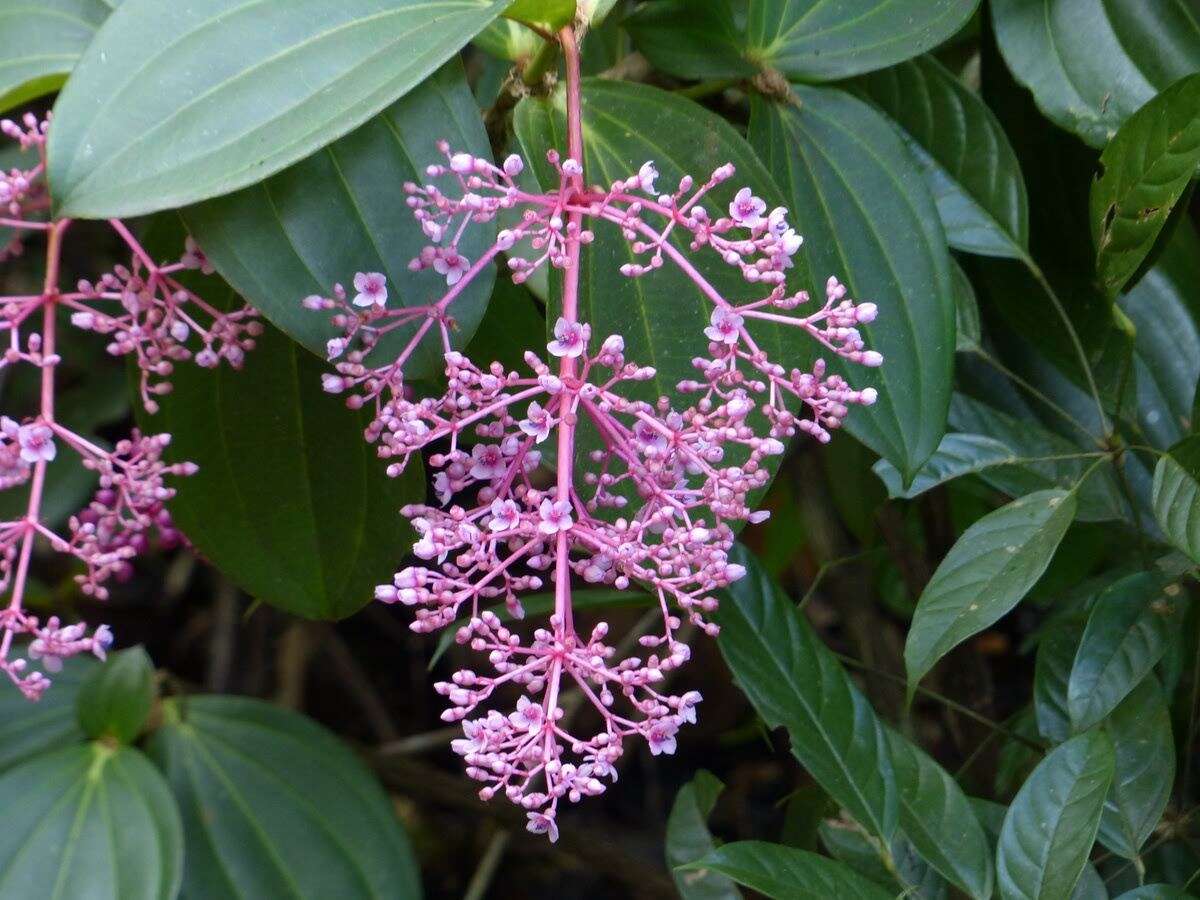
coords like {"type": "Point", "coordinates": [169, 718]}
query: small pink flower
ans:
{"type": "Point", "coordinates": [506, 515]}
{"type": "Point", "coordinates": [543, 823]}
{"type": "Point", "coordinates": [488, 462]}
{"type": "Point", "coordinates": [451, 263]}
{"type": "Point", "coordinates": [570, 338]}
{"type": "Point", "coordinates": [334, 347]}
{"type": "Point", "coordinates": [536, 424]}
{"type": "Point", "coordinates": [372, 289]}
{"type": "Point", "coordinates": [687, 706]}
{"type": "Point", "coordinates": [513, 165]}
{"type": "Point", "coordinates": [661, 737]}
{"type": "Point", "coordinates": [646, 176]}
{"type": "Point", "coordinates": [746, 209]}
{"type": "Point", "coordinates": [554, 515]}
{"type": "Point", "coordinates": [195, 258]}
{"type": "Point", "coordinates": [37, 442]}
{"type": "Point", "coordinates": [725, 327]}
{"type": "Point", "coordinates": [528, 717]}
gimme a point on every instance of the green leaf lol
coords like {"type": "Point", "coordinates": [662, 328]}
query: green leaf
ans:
{"type": "Point", "coordinates": [177, 103]}
{"type": "Point", "coordinates": [40, 43]}
{"type": "Point", "coordinates": [116, 699]}
{"type": "Point", "coordinates": [30, 729]}
{"type": "Point", "coordinates": [1165, 308]}
{"type": "Point", "coordinates": [89, 821]}
{"type": "Point", "coordinates": [1099, 499]}
{"type": "Point", "coordinates": [967, 160]}
{"type": "Point", "coordinates": [1051, 678]}
{"type": "Point", "coordinates": [811, 40]}
{"type": "Point", "coordinates": [1091, 63]}
{"type": "Point", "coordinates": [290, 501]}
{"type": "Point", "coordinates": [788, 874]}
{"type": "Point", "coordinates": [1176, 496]}
{"type": "Point", "coordinates": [986, 573]}
{"type": "Point", "coordinates": [342, 211]}
{"type": "Point", "coordinates": [1140, 729]}
{"type": "Point", "coordinates": [697, 39]}
{"type": "Point", "coordinates": [688, 839]}
{"type": "Point", "coordinates": [937, 818]}
{"type": "Point", "coordinates": [1156, 892]}
{"type": "Point", "coordinates": [966, 312]}
{"type": "Point", "coordinates": [793, 680]}
{"type": "Point", "coordinates": [867, 217]}
{"type": "Point", "coordinates": [551, 13]}
{"type": "Point", "coordinates": [508, 40]}
{"type": "Point", "coordinates": [1127, 634]}
{"type": "Point", "coordinates": [275, 806]}
{"type": "Point", "coordinates": [662, 315]}
{"type": "Point", "coordinates": [1051, 825]}
{"type": "Point", "coordinates": [1146, 168]}
{"type": "Point", "coordinates": [957, 455]}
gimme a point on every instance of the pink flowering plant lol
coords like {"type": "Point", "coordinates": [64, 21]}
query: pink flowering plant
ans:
{"type": "Point", "coordinates": [658, 506]}
{"type": "Point", "coordinates": [599, 397]}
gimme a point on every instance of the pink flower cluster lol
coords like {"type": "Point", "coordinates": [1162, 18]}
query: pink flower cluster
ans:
{"type": "Point", "coordinates": [654, 508]}
{"type": "Point", "coordinates": [146, 313]}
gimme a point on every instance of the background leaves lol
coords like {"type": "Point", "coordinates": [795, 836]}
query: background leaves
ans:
{"type": "Point", "coordinates": [1052, 822]}
{"type": "Point", "coordinates": [854, 190]}
{"type": "Point", "coordinates": [272, 805]}
{"type": "Point", "coordinates": [289, 500]}
{"type": "Point", "coordinates": [174, 104]}
{"type": "Point", "coordinates": [40, 43]}
{"type": "Point", "coordinates": [1146, 167]}
{"type": "Point", "coordinates": [813, 41]}
{"type": "Point", "coordinates": [794, 680]}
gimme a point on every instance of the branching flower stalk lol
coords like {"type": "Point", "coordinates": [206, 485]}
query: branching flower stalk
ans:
{"type": "Point", "coordinates": [144, 312]}
{"type": "Point", "coordinates": [656, 506]}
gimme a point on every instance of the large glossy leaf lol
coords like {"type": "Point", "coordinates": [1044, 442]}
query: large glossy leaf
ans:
{"type": "Point", "coordinates": [795, 681]}
{"type": "Point", "coordinates": [986, 573]}
{"type": "Point", "coordinates": [89, 821]}
{"type": "Point", "coordinates": [1051, 825]}
{"type": "Point", "coordinates": [785, 873]}
{"type": "Point", "coordinates": [343, 211]}
{"type": "Point", "coordinates": [868, 218]}
{"type": "Point", "coordinates": [937, 818]}
{"type": "Point", "coordinates": [1176, 496]}
{"type": "Point", "coordinates": [906, 872]}
{"type": "Point", "coordinates": [1165, 308]}
{"type": "Point", "coordinates": [1127, 633]}
{"type": "Point", "coordinates": [275, 806]}
{"type": "Point", "coordinates": [28, 729]}
{"type": "Point", "coordinates": [688, 839]}
{"type": "Point", "coordinates": [1092, 63]}
{"type": "Point", "coordinates": [969, 164]}
{"type": "Point", "coordinates": [115, 701]}
{"type": "Point", "coordinates": [175, 103]}
{"type": "Point", "coordinates": [290, 501]}
{"type": "Point", "coordinates": [1046, 459]}
{"type": "Point", "coordinates": [40, 43]}
{"type": "Point", "coordinates": [1140, 729]}
{"type": "Point", "coordinates": [812, 40]}
{"type": "Point", "coordinates": [691, 38]}
{"type": "Point", "coordinates": [957, 455]}
{"type": "Point", "coordinates": [1146, 168]}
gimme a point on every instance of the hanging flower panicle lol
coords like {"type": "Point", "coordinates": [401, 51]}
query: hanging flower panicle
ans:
{"type": "Point", "coordinates": [144, 312]}
{"type": "Point", "coordinates": [655, 507]}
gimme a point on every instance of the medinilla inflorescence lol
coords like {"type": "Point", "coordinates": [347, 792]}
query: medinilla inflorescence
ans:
{"type": "Point", "coordinates": [143, 312]}
{"type": "Point", "coordinates": [655, 506]}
